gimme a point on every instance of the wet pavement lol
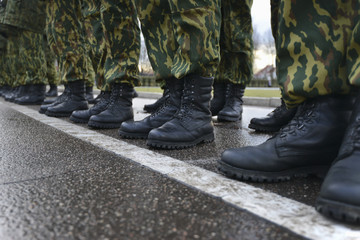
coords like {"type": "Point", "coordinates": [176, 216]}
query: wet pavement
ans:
{"type": "Point", "coordinates": [59, 183]}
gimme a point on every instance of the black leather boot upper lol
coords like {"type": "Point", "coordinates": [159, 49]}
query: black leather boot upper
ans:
{"type": "Point", "coordinates": [89, 95]}
{"type": "Point", "coordinates": [83, 116]}
{"type": "Point", "coordinates": [164, 113]}
{"type": "Point", "coordinates": [35, 95]}
{"type": "Point", "coordinates": [307, 144]}
{"type": "Point", "coordinates": [23, 91]}
{"type": "Point", "coordinates": [74, 101]}
{"type": "Point", "coordinates": [150, 108]}
{"type": "Point", "coordinates": [339, 196]}
{"type": "Point", "coordinates": [218, 101]}
{"type": "Point", "coordinates": [274, 120]}
{"type": "Point", "coordinates": [192, 124]}
{"type": "Point", "coordinates": [53, 91]}
{"type": "Point", "coordinates": [9, 95]}
{"type": "Point", "coordinates": [232, 110]}
{"type": "Point", "coordinates": [117, 111]}
{"type": "Point", "coordinates": [61, 98]}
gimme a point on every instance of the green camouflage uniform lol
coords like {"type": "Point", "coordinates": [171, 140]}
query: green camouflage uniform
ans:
{"type": "Point", "coordinates": [182, 37]}
{"type": "Point", "coordinates": [274, 4]}
{"type": "Point", "coordinates": [32, 55]}
{"type": "Point", "coordinates": [52, 74]}
{"type": "Point", "coordinates": [3, 42]}
{"type": "Point", "coordinates": [65, 37]}
{"type": "Point", "coordinates": [236, 65]}
{"type": "Point", "coordinates": [25, 50]}
{"type": "Point", "coordinates": [317, 52]}
{"type": "Point", "coordinates": [95, 38]}
{"type": "Point", "coordinates": [122, 45]}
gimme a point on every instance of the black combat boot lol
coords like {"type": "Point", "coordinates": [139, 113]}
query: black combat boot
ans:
{"type": "Point", "coordinates": [339, 196]}
{"type": "Point", "coordinates": [61, 98]}
{"type": "Point", "coordinates": [53, 91]}
{"type": "Point", "coordinates": [74, 101]}
{"type": "Point", "coordinates": [89, 95]}
{"type": "Point", "coordinates": [23, 91]}
{"type": "Point", "coordinates": [232, 110]}
{"type": "Point", "coordinates": [163, 114]}
{"type": "Point", "coordinates": [118, 110]}
{"type": "Point", "coordinates": [274, 120]}
{"type": "Point", "coordinates": [35, 95]}
{"type": "Point", "coordinates": [218, 101]}
{"type": "Point", "coordinates": [150, 108]}
{"type": "Point", "coordinates": [308, 144]}
{"type": "Point", "coordinates": [192, 123]}
{"type": "Point", "coordinates": [10, 94]}
{"type": "Point", "coordinates": [5, 90]}
{"type": "Point", "coordinates": [12, 97]}
{"type": "Point", "coordinates": [83, 116]}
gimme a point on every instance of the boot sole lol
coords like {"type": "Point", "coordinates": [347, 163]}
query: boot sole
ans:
{"type": "Point", "coordinates": [102, 125]}
{"type": "Point", "coordinates": [29, 103]}
{"type": "Point", "coordinates": [263, 128]}
{"type": "Point", "coordinates": [221, 118]}
{"type": "Point", "coordinates": [179, 145]}
{"type": "Point", "coordinates": [78, 120]}
{"type": "Point", "coordinates": [260, 176]}
{"type": "Point", "coordinates": [130, 135]}
{"type": "Point", "coordinates": [53, 114]}
{"type": "Point", "coordinates": [339, 211]}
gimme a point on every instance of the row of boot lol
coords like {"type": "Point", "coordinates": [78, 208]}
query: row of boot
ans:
{"type": "Point", "coordinates": [35, 94]}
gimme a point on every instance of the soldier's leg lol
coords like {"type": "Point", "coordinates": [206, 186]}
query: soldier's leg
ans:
{"type": "Point", "coordinates": [52, 75]}
{"type": "Point", "coordinates": [89, 84]}
{"type": "Point", "coordinates": [311, 45]}
{"type": "Point", "coordinates": [122, 47]}
{"type": "Point", "coordinates": [235, 68]}
{"type": "Point", "coordinates": [3, 42]}
{"type": "Point", "coordinates": [187, 59]}
{"type": "Point", "coordinates": [96, 43]}
{"type": "Point", "coordinates": [339, 197]}
{"type": "Point", "coordinates": [281, 115]}
{"type": "Point", "coordinates": [67, 41]}
{"type": "Point", "coordinates": [33, 56]}
{"type": "Point", "coordinates": [15, 69]}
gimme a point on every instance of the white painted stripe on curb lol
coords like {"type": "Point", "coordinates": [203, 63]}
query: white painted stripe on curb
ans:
{"type": "Point", "coordinates": [297, 217]}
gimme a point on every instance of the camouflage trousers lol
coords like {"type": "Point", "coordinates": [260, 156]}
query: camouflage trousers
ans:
{"type": "Point", "coordinates": [32, 58]}
{"type": "Point", "coordinates": [65, 35]}
{"type": "Point", "coordinates": [182, 37]}
{"type": "Point", "coordinates": [236, 44]}
{"type": "Point", "coordinates": [318, 48]}
{"type": "Point", "coordinates": [13, 68]}
{"type": "Point", "coordinates": [122, 44]}
{"type": "Point", "coordinates": [52, 74]}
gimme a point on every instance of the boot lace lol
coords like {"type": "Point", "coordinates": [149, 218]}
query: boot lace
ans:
{"type": "Point", "coordinates": [305, 115]}
{"type": "Point", "coordinates": [232, 92]}
{"type": "Point", "coordinates": [187, 100]}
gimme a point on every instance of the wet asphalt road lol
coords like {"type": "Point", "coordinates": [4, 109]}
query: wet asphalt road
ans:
{"type": "Point", "coordinates": [54, 186]}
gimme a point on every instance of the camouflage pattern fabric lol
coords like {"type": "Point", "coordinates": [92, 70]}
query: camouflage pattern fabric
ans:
{"type": "Point", "coordinates": [122, 42]}
{"type": "Point", "coordinates": [353, 53]}
{"type": "Point", "coordinates": [64, 30]}
{"type": "Point", "coordinates": [52, 74]}
{"type": "Point", "coordinates": [95, 39]}
{"type": "Point", "coordinates": [274, 4]}
{"type": "Point", "coordinates": [26, 14]}
{"type": "Point", "coordinates": [236, 65]}
{"type": "Point", "coordinates": [12, 61]}
{"type": "Point", "coordinates": [313, 46]}
{"type": "Point", "coordinates": [32, 56]}
{"type": "Point", "coordinates": [90, 77]}
{"type": "Point", "coordinates": [182, 37]}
